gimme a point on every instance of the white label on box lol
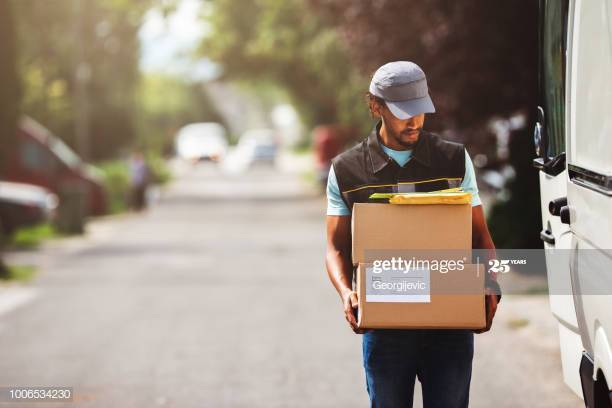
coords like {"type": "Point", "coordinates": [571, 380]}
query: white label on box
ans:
{"type": "Point", "coordinates": [397, 285]}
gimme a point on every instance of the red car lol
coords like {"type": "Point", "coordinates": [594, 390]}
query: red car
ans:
{"type": "Point", "coordinates": [23, 205]}
{"type": "Point", "coordinates": [42, 159]}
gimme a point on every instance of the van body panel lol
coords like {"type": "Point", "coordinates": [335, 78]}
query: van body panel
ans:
{"type": "Point", "coordinates": [591, 87]}
{"type": "Point", "coordinates": [589, 159]}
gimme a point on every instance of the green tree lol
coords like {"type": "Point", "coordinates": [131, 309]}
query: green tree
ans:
{"type": "Point", "coordinates": [50, 35]}
{"type": "Point", "coordinates": [282, 42]}
{"type": "Point", "coordinates": [9, 97]}
{"type": "Point", "coordinates": [9, 82]}
{"type": "Point", "coordinates": [480, 57]}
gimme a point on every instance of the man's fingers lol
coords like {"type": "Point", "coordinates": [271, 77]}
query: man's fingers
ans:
{"type": "Point", "coordinates": [351, 304]}
{"type": "Point", "coordinates": [350, 318]}
{"type": "Point", "coordinates": [492, 306]}
{"type": "Point", "coordinates": [349, 313]}
{"type": "Point", "coordinates": [354, 300]}
{"type": "Point", "coordinates": [491, 309]}
{"type": "Point", "coordinates": [483, 330]}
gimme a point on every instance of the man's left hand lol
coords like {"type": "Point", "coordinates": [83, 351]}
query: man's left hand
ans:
{"type": "Point", "coordinates": [491, 307]}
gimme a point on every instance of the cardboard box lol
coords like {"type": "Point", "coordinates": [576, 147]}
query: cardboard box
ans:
{"type": "Point", "coordinates": [385, 227]}
{"type": "Point", "coordinates": [453, 300]}
{"type": "Point", "coordinates": [419, 293]}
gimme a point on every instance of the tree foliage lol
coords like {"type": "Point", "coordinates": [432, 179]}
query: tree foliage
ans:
{"type": "Point", "coordinates": [101, 38]}
{"type": "Point", "coordinates": [50, 37]}
{"type": "Point", "coordinates": [9, 81]}
{"type": "Point", "coordinates": [480, 56]}
{"type": "Point", "coordinates": [284, 43]}
{"type": "Point", "coordinates": [9, 98]}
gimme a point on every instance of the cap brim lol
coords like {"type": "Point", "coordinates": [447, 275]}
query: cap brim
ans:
{"type": "Point", "coordinates": [406, 109]}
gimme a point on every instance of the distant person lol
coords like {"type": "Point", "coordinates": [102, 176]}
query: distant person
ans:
{"type": "Point", "coordinates": [327, 144]}
{"type": "Point", "coordinates": [139, 180]}
{"type": "Point", "coordinates": [399, 150]}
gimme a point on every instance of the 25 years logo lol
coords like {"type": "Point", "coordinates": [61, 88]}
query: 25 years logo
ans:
{"type": "Point", "coordinates": [503, 265]}
{"type": "Point", "coordinates": [499, 265]}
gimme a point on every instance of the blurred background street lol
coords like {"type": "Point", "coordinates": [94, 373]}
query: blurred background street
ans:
{"type": "Point", "coordinates": [217, 297]}
{"type": "Point", "coordinates": [162, 206]}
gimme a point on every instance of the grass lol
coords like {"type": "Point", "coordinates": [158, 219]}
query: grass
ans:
{"type": "Point", "coordinates": [302, 148]}
{"type": "Point", "coordinates": [518, 323]}
{"type": "Point", "coordinates": [160, 173]}
{"type": "Point", "coordinates": [117, 180]}
{"type": "Point", "coordinates": [32, 237]}
{"type": "Point", "coordinates": [117, 184]}
{"type": "Point", "coordinates": [19, 273]}
{"type": "Point", "coordinates": [309, 177]}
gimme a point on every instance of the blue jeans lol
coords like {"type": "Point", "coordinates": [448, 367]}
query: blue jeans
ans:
{"type": "Point", "coordinates": [441, 359]}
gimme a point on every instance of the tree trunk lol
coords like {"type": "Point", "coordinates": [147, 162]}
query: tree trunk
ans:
{"type": "Point", "coordinates": [9, 98]}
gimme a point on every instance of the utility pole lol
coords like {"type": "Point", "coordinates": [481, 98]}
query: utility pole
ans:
{"type": "Point", "coordinates": [82, 78]}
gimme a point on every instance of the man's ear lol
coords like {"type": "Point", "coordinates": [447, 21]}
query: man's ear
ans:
{"type": "Point", "coordinates": [375, 108]}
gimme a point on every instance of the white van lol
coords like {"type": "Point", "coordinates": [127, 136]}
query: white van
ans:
{"type": "Point", "coordinates": [573, 140]}
{"type": "Point", "coordinates": [201, 141]}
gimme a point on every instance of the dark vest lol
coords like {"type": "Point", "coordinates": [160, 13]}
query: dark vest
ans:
{"type": "Point", "coordinates": [436, 164]}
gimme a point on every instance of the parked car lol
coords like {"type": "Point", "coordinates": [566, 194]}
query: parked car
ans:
{"type": "Point", "coordinates": [23, 205]}
{"type": "Point", "coordinates": [201, 142]}
{"type": "Point", "coordinates": [42, 159]}
{"type": "Point", "coordinates": [258, 146]}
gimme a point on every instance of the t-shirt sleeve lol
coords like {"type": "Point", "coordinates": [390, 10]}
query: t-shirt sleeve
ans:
{"type": "Point", "coordinates": [335, 204]}
{"type": "Point", "coordinates": [469, 181]}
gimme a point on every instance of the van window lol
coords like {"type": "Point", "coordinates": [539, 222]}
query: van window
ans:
{"type": "Point", "coordinates": [33, 157]}
{"type": "Point", "coordinates": [37, 158]}
{"type": "Point", "coordinates": [554, 44]}
{"type": "Point", "coordinates": [591, 146]}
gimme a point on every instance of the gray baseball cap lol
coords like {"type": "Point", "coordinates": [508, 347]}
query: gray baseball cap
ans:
{"type": "Point", "coordinates": [403, 86]}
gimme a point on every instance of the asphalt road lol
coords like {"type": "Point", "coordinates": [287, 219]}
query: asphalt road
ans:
{"type": "Point", "coordinates": [217, 297]}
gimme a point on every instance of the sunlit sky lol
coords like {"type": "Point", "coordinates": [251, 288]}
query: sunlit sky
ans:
{"type": "Point", "coordinates": [167, 44]}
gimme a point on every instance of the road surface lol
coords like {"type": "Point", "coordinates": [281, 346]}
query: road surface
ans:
{"type": "Point", "coordinates": [218, 297]}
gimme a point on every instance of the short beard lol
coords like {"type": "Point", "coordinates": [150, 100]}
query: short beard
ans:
{"type": "Point", "coordinates": [407, 145]}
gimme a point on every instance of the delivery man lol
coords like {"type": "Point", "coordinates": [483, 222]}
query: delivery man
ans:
{"type": "Point", "coordinates": [399, 150]}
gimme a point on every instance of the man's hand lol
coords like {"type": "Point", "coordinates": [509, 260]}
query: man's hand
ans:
{"type": "Point", "coordinates": [481, 239]}
{"type": "Point", "coordinates": [340, 266]}
{"type": "Point", "coordinates": [491, 307]}
{"type": "Point", "coordinates": [351, 305]}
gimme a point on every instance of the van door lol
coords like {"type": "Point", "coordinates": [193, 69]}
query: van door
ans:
{"type": "Point", "coordinates": [590, 178]}
{"type": "Point", "coordinates": [550, 138]}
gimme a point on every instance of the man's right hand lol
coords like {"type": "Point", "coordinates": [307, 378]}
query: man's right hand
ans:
{"type": "Point", "coordinates": [351, 305]}
{"type": "Point", "coordinates": [340, 266]}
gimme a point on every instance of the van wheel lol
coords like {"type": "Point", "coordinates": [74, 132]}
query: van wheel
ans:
{"type": "Point", "coordinates": [602, 395]}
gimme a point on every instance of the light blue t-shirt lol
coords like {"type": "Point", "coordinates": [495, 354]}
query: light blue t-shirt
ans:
{"type": "Point", "coordinates": [336, 206]}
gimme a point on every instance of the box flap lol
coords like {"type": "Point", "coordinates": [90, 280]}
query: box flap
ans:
{"type": "Point", "coordinates": [377, 226]}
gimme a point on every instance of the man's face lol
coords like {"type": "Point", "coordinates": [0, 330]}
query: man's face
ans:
{"type": "Point", "coordinates": [403, 132]}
